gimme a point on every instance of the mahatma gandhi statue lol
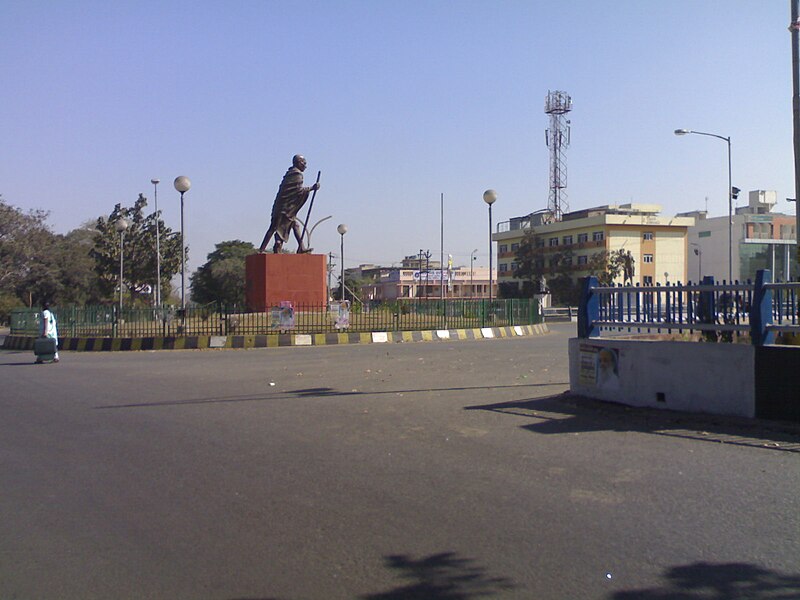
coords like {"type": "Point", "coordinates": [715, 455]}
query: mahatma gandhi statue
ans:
{"type": "Point", "coordinates": [290, 199]}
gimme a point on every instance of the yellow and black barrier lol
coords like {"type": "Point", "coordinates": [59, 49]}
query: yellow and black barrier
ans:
{"type": "Point", "coordinates": [274, 340]}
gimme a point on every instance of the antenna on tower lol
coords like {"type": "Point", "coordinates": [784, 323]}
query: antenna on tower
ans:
{"type": "Point", "coordinates": [557, 105]}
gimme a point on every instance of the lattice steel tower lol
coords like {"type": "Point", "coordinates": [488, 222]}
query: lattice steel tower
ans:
{"type": "Point", "coordinates": [557, 105]}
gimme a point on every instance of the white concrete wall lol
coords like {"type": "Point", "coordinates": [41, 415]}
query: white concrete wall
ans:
{"type": "Point", "coordinates": [696, 377]}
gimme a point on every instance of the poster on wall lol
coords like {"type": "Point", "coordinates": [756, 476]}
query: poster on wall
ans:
{"type": "Point", "coordinates": [599, 367]}
{"type": "Point", "coordinates": [282, 317]}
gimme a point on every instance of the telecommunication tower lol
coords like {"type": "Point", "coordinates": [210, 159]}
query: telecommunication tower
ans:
{"type": "Point", "coordinates": [557, 105]}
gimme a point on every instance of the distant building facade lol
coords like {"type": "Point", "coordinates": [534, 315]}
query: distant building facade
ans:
{"type": "Point", "coordinates": [657, 243]}
{"type": "Point", "coordinates": [421, 279]}
{"type": "Point", "coordinates": [761, 239]}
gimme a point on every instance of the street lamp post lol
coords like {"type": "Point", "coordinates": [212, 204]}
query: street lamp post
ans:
{"type": "Point", "coordinates": [182, 184]}
{"type": "Point", "coordinates": [727, 140]}
{"type": "Point", "coordinates": [342, 229]}
{"type": "Point", "coordinates": [155, 183]}
{"type": "Point", "coordinates": [471, 268]}
{"type": "Point", "coordinates": [121, 226]}
{"type": "Point", "coordinates": [490, 197]}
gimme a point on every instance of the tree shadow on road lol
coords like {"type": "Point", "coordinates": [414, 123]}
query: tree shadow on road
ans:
{"type": "Point", "coordinates": [318, 392]}
{"type": "Point", "coordinates": [726, 581]}
{"type": "Point", "coordinates": [443, 576]}
{"type": "Point", "coordinates": [567, 413]}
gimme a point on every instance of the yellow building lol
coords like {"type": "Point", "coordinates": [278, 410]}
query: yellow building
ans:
{"type": "Point", "coordinates": [658, 244]}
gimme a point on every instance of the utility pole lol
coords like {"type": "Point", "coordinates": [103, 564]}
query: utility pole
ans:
{"type": "Point", "coordinates": [331, 266]}
{"type": "Point", "coordinates": [427, 256]}
{"type": "Point", "coordinates": [793, 27]}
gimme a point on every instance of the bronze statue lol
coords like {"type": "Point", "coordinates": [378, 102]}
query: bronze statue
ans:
{"type": "Point", "coordinates": [290, 199]}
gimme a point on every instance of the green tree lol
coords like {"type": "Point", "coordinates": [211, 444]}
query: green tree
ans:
{"type": "Point", "coordinates": [139, 258]}
{"type": "Point", "coordinates": [608, 266]}
{"type": "Point", "coordinates": [222, 277]}
{"type": "Point", "coordinates": [543, 270]}
{"type": "Point", "coordinates": [25, 241]}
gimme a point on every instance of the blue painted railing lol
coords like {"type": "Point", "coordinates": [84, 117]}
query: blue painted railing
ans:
{"type": "Point", "coordinates": [719, 311]}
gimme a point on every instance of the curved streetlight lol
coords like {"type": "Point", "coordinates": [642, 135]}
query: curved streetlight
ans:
{"type": "Point", "coordinates": [342, 229]}
{"type": "Point", "coordinates": [730, 194]}
{"type": "Point", "coordinates": [121, 225]}
{"type": "Point", "coordinates": [182, 184]}
{"type": "Point", "coordinates": [155, 183]}
{"type": "Point", "coordinates": [490, 197]}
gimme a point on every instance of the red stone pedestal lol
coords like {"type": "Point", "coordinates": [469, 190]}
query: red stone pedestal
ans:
{"type": "Point", "coordinates": [274, 278]}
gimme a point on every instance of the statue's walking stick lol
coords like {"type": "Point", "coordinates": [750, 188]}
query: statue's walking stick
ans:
{"type": "Point", "coordinates": [310, 206]}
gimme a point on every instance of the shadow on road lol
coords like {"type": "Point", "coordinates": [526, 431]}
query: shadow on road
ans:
{"type": "Point", "coordinates": [566, 413]}
{"type": "Point", "coordinates": [731, 581]}
{"type": "Point", "coordinates": [443, 576]}
{"type": "Point", "coordinates": [319, 392]}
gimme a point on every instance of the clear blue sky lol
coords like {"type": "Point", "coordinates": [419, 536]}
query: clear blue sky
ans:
{"type": "Point", "coordinates": [395, 102]}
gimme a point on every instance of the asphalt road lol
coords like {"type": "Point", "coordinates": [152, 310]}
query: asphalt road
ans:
{"type": "Point", "coordinates": [431, 470]}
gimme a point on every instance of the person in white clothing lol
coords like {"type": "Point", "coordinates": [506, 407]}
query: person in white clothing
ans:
{"type": "Point", "coordinates": [48, 327]}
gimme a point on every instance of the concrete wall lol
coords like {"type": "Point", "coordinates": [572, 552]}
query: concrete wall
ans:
{"type": "Point", "coordinates": [695, 377]}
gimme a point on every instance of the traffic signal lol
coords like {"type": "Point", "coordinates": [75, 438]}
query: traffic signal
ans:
{"type": "Point", "coordinates": [735, 192]}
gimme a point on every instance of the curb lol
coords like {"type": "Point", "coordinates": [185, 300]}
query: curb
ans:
{"type": "Point", "coordinates": [275, 340]}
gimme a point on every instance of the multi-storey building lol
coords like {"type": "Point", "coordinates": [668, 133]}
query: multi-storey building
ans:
{"type": "Point", "coordinates": [760, 239]}
{"type": "Point", "coordinates": [658, 244]}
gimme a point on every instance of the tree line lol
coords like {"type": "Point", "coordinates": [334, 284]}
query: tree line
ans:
{"type": "Point", "coordinates": [82, 266]}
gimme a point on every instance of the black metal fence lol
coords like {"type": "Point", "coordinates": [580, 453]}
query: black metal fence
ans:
{"type": "Point", "coordinates": [169, 321]}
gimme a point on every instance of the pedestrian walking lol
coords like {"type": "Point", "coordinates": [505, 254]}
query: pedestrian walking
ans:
{"type": "Point", "coordinates": [46, 347]}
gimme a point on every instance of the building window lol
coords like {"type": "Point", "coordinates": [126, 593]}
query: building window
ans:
{"type": "Point", "coordinates": [514, 247]}
{"type": "Point", "coordinates": [567, 261]}
{"type": "Point", "coordinates": [514, 266]}
{"type": "Point", "coordinates": [503, 267]}
{"type": "Point", "coordinates": [582, 260]}
{"type": "Point", "coordinates": [647, 235]}
{"type": "Point", "coordinates": [647, 258]}
{"type": "Point", "coordinates": [502, 249]}
{"type": "Point", "coordinates": [539, 242]}
{"type": "Point", "coordinates": [553, 242]}
{"type": "Point", "coordinates": [704, 234]}
{"type": "Point", "coordinates": [598, 236]}
{"type": "Point", "coordinates": [583, 238]}
{"type": "Point", "coordinates": [647, 280]}
{"type": "Point", "coordinates": [539, 263]}
{"type": "Point", "coordinates": [567, 240]}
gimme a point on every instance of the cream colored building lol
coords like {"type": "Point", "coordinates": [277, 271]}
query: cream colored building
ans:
{"type": "Point", "coordinates": [657, 243]}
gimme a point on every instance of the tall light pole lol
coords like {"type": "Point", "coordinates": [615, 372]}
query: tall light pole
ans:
{"type": "Point", "coordinates": [182, 184]}
{"type": "Point", "coordinates": [471, 266]}
{"type": "Point", "coordinates": [155, 183]}
{"type": "Point", "coordinates": [794, 28]}
{"type": "Point", "coordinates": [342, 229]}
{"type": "Point", "coordinates": [490, 197]}
{"type": "Point", "coordinates": [730, 194]}
{"type": "Point", "coordinates": [121, 226]}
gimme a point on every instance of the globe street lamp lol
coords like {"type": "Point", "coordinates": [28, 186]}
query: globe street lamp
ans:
{"type": "Point", "coordinates": [730, 194]}
{"type": "Point", "coordinates": [490, 197]}
{"type": "Point", "coordinates": [155, 183]}
{"type": "Point", "coordinates": [182, 184]}
{"type": "Point", "coordinates": [342, 229]}
{"type": "Point", "coordinates": [471, 265]}
{"type": "Point", "coordinates": [121, 225]}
